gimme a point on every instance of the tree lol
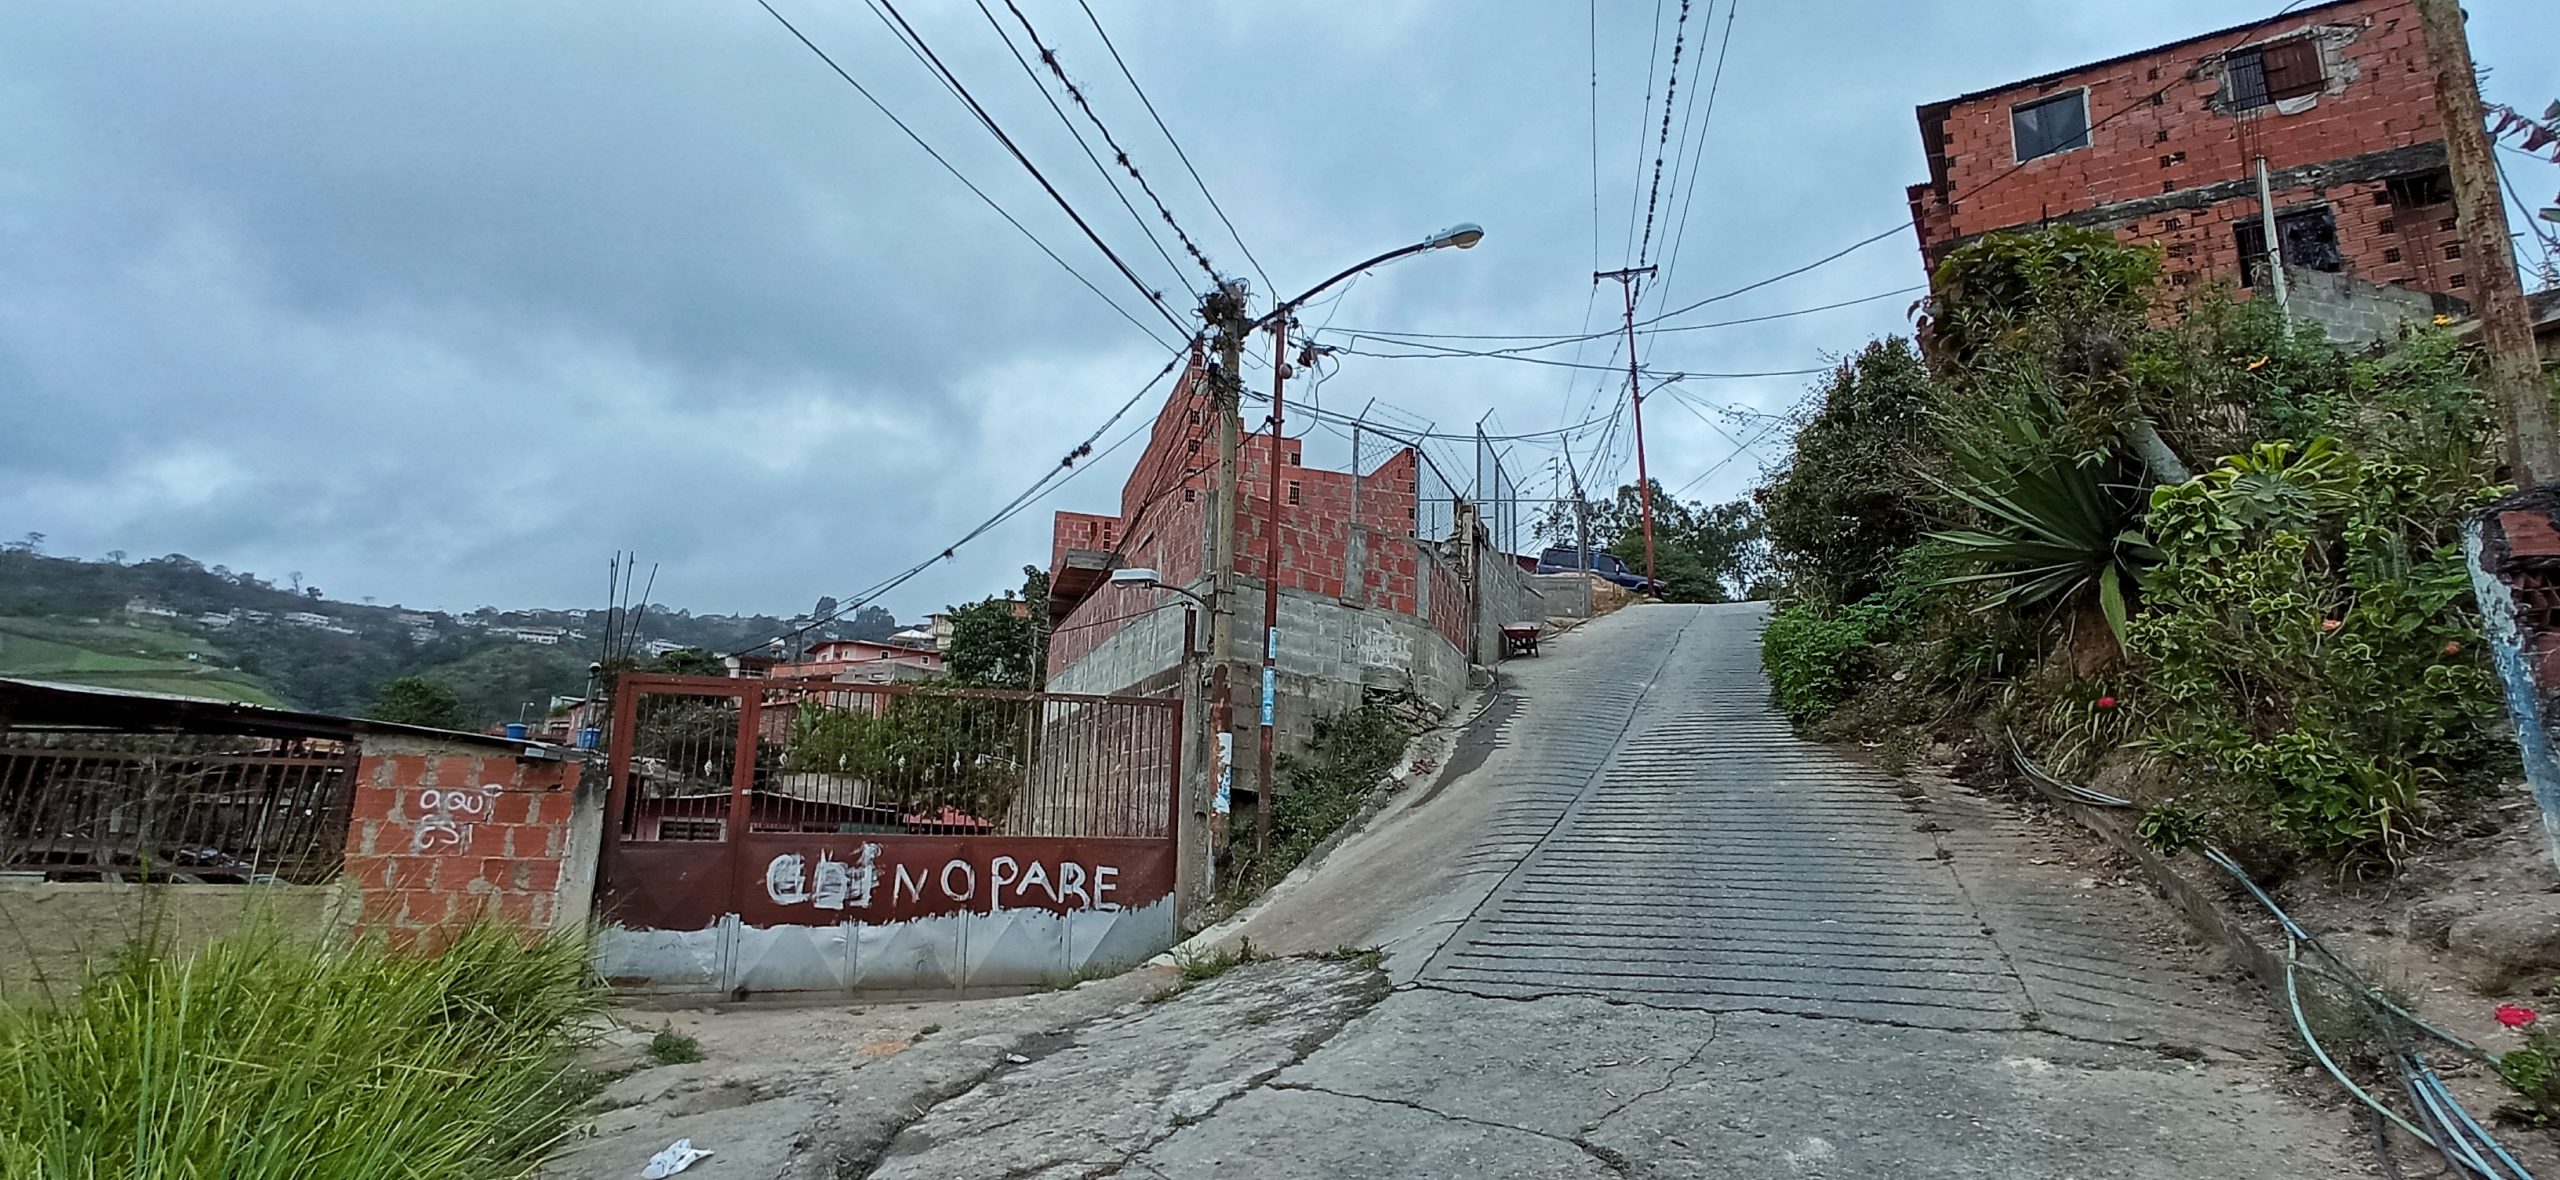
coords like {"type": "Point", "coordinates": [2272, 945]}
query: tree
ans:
{"type": "Point", "coordinates": [1850, 501]}
{"type": "Point", "coordinates": [826, 608]}
{"type": "Point", "coordinates": [115, 556]}
{"type": "Point", "coordinates": [998, 642]}
{"type": "Point", "coordinates": [687, 661]}
{"type": "Point", "coordinates": [419, 700]}
{"type": "Point", "coordinates": [1701, 553]}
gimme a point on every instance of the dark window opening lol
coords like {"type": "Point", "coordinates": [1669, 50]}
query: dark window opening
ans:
{"type": "Point", "coordinates": [2257, 77]}
{"type": "Point", "coordinates": [2386, 225]}
{"type": "Point", "coordinates": [2391, 255]}
{"type": "Point", "coordinates": [2310, 238]}
{"type": "Point", "coordinates": [1293, 491]}
{"type": "Point", "coordinates": [2453, 249]}
{"type": "Point", "coordinates": [1297, 459]}
{"type": "Point", "coordinates": [2457, 282]}
{"type": "Point", "coordinates": [2446, 225]}
{"type": "Point", "coordinates": [689, 829]}
{"type": "Point", "coordinates": [2057, 124]}
{"type": "Point", "coordinates": [2417, 188]}
{"type": "Point", "coordinates": [1189, 496]}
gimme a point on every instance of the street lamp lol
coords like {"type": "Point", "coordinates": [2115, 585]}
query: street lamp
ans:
{"type": "Point", "coordinates": [1463, 236]}
{"type": "Point", "coordinates": [1141, 578]}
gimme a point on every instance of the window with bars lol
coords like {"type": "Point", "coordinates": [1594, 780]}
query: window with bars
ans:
{"type": "Point", "coordinates": [2256, 77]}
{"type": "Point", "coordinates": [2310, 238]}
{"type": "Point", "coordinates": [2050, 125]}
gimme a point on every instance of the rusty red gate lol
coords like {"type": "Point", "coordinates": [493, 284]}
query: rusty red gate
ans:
{"type": "Point", "coordinates": [798, 835]}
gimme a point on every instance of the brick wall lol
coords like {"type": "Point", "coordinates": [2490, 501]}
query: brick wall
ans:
{"type": "Point", "coordinates": [444, 832]}
{"type": "Point", "coordinates": [2179, 171]}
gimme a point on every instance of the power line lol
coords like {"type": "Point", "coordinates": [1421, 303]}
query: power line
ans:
{"type": "Point", "coordinates": [1698, 154]}
{"type": "Point", "coordinates": [1185, 157]}
{"type": "Point", "coordinates": [1065, 467]}
{"type": "Point", "coordinates": [1107, 179]}
{"type": "Point", "coordinates": [915, 44]}
{"type": "Point", "coordinates": [1560, 341]}
{"type": "Point", "coordinates": [1049, 57]}
{"type": "Point", "coordinates": [1644, 112]}
{"type": "Point", "coordinates": [956, 174]}
{"type": "Point", "coordinates": [1670, 95]}
{"type": "Point", "coordinates": [1443, 352]}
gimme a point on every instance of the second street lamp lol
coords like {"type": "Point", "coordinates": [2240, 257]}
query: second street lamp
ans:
{"type": "Point", "coordinates": [1462, 236]}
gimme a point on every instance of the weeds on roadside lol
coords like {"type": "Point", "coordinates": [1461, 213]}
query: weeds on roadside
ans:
{"type": "Point", "coordinates": [262, 1058]}
{"type": "Point", "coordinates": [670, 1047]}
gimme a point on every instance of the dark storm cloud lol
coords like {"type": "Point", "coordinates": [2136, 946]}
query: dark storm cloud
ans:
{"type": "Point", "coordinates": [442, 302]}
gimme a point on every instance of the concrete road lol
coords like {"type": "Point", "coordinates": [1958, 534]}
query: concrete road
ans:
{"type": "Point", "coordinates": [1639, 929]}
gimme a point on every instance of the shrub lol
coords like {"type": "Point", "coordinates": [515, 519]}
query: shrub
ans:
{"type": "Point", "coordinates": [2311, 661]}
{"type": "Point", "coordinates": [261, 1059]}
{"type": "Point", "coordinates": [1813, 659]}
{"type": "Point", "coordinates": [1320, 791]}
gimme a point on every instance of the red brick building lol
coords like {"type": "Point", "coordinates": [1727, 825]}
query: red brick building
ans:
{"type": "Point", "coordinates": [2161, 145]}
{"type": "Point", "coordinates": [1334, 529]}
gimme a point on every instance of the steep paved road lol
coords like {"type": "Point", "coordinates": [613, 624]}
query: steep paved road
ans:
{"type": "Point", "coordinates": [1640, 929]}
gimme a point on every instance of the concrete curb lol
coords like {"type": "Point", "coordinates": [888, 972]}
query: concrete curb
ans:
{"type": "Point", "coordinates": [2231, 929]}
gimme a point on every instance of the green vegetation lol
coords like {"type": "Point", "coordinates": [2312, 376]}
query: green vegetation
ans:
{"type": "Point", "coordinates": [418, 700]}
{"type": "Point", "coordinates": [115, 655]}
{"type": "Point", "coordinates": [2216, 559]}
{"type": "Point", "coordinates": [670, 1047]}
{"type": "Point", "coordinates": [1002, 642]}
{"type": "Point", "coordinates": [1320, 791]}
{"type": "Point", "coordinates": [263, 1058]}
{"type": "Point", "coordinates": [1701, 552]}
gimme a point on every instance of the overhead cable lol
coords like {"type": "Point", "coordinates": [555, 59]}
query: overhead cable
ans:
{"type": "Point", "coordinates": [1179, 154]}
{"type": "Point", "coordinates": [956, 174]}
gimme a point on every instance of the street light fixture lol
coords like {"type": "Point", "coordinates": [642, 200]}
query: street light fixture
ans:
{"type": "Point", "coordinates": [1463, 236]}
{"type": "Point", "coordinates": [1141, 578]}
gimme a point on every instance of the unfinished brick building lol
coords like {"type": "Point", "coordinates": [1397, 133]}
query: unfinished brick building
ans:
{"type": "Point", "coordinates": [2161, 145]}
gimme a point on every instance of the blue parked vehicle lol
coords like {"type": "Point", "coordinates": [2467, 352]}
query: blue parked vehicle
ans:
{"type": "Point", "coordinates": [1564, 559]}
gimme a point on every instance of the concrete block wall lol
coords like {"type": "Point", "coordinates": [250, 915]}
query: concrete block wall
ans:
{"type": "Point", "coordinates": [446, 832]}
{"type": "Point", "coordinates": [2352, 311]}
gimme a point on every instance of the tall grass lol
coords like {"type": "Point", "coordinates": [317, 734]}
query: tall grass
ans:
{"type": "Point", "coordinates": [265, 1057]}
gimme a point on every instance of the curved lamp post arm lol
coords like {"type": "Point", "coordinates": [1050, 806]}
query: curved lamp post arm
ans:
{"type": "Point", "coordinates": [1463, 236]}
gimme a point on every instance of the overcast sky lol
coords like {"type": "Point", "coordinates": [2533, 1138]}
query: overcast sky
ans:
{"type": "Point", "coordinates": [442, 303]}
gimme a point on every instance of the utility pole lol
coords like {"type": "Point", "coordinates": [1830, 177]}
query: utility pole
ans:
{"type": "Point", "coordinates": [1581, 511]}
{"type": "Point", "coordinates": [2275, 249]}
{"type": "Point", "coordinates": [1224, 312]}
{"type": "Point", "coordinates": [2506, 330]}
{"type": "Point", "coordinates": [1263, 787]}
{"type": "Point", "coordinates": [1627, 277]}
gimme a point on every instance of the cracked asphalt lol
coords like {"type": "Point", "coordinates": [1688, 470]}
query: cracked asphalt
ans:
{"type": "Point", "coordinates": [1640, 929]}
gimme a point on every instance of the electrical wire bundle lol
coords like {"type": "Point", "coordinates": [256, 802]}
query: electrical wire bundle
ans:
{"type": "Point", "coordinates": [2442, 1122]}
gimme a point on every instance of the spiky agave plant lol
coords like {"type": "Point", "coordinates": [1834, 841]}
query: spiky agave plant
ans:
{"type": "Point", "coordinates": [2056, 527]}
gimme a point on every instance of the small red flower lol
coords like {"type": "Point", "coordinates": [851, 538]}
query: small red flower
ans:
{"type": "Point", "coordinates": [2106, 702]}
{"type": "Point", "coordinates": [2452, 649]}
{"type": "Point", "coordinates": [2516, 1015]}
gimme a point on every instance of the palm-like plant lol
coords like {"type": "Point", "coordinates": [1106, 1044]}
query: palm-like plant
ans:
{"type": "Point", "coordinates": [2056, 527]}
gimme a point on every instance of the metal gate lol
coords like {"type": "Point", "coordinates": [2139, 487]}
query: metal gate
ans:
{"type": "Point", "coordinates": [799, 835]}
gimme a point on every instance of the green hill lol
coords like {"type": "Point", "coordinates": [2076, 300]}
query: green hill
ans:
{"type": "Point", "coordinates": [117, 655]}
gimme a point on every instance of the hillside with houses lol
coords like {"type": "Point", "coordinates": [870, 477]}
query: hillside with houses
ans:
{"type": "Point", "coordinates": [175, 625]}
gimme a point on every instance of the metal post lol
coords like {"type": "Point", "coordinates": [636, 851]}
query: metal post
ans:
{"type": "Point", "coordinates": [1635, 393]}
{"type": "Point", "coordinates": [1262, 787]}
{"type": "Point", "coordinates": [2275, 248]}
{"type": "Point", "coordinates": [2497, 295]}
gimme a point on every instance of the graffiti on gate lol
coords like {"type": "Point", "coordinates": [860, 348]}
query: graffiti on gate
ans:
{"type": "Point", "coordinates": [826, 883]}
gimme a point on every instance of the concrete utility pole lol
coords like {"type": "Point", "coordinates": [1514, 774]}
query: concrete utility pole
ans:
{"type": "Point", "coordinates": [1224, 312]}
{"type": "Point", "coordinates": [2275, 249]}
{"type": "Point", "coordinates": [1627, 277]}
{"type": "Point", "coordinates": [2497, 296]}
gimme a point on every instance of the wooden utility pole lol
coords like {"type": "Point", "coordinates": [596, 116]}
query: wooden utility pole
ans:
{"type": "Point", "coordinates": [1224, 311]}
{"type": "Point", "coordinates": [1627, 277]}
{"type": "Point", "coordinates": [2497, 296]}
